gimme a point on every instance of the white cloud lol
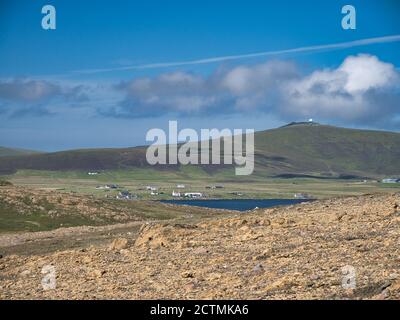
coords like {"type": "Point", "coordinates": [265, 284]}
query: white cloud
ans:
{"type": "Point", "coordinates": [365, 72]}
{"type": "Point", "coordinates": [225, 91]}
{"type": "Point", "coordinates": [346, 93]}
{"type": "Point", "coordinates": [238, 80]}
{"type": "Point", "coordinates": [361, 89]}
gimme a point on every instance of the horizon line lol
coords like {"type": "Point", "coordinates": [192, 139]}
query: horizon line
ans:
{"type": "Point", "coordinates": [83, 148]}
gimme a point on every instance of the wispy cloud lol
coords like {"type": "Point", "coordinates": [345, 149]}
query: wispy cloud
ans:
{"type": "Point", "coordinates": [316, 48]}
{"type": "Point", "coordinates": [22, 97]}
{"type": "Point", "coordinates": [34, 91]}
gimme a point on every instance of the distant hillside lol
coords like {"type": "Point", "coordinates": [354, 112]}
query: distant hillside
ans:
{"type": "Point", "coordinates": [7, 152]}
{"type": "Point", "coordinates": [298, 149]}
{"type": "Point", "coordinates": [327, 151]}
{"type": "Point", "coordinates": [86, 159]}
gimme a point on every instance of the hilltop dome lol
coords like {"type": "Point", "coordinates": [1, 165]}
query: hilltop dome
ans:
{"type": "Point", "coordinates": [310, 122]}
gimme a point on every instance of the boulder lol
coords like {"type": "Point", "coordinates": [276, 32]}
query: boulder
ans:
{"type": "Point", "coordinates": [119, 244]}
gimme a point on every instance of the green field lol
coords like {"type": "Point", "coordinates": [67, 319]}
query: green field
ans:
{"type": "Point", "coordinates": [195, 180]}
{"type": "Point", "coordinates": [45, 184]}
{"type": "Point", "coordinates": [12, 221]}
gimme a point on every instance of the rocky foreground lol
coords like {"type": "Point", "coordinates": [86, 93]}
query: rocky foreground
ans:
{"type": "Point", "coordinates": [345, 248]}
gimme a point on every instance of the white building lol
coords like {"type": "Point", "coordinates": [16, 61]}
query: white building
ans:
{"type": "Point", "coordinates": [193, 195]}
{"type": "Point", "coordinates": [302, 196]}
{"type": "Point", "coordinates": [176, 194]}
{"type": "Point", "coordinates": [391, 180]}
{"type": "Point", "coordinates": [180, 186]}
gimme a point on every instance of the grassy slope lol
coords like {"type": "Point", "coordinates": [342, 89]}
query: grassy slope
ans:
{"type": "Point", "coordinates": [38, 210]}
{"type": "Point", "coordinates": [325, 150]}
{"type": "Point", "coordinates": [299, 149]}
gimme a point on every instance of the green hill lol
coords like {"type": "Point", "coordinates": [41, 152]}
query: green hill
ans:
{"type": "Point", "coordinates": [7, 152]}
{"type": "Point", "coordinates": [327, 151]}
{"type": "Point", "coordinates": [298, 149]}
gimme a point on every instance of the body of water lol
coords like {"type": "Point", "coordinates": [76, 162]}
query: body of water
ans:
{"type": "Point", "coordinates": [237, 204]}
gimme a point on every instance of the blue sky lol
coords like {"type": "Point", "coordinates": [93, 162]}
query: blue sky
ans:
{"type": "Point", "coordinates": [77, 86]}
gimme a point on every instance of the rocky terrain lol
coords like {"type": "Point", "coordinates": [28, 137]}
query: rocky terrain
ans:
{"type": "Point", "coordinates": [295, 252]}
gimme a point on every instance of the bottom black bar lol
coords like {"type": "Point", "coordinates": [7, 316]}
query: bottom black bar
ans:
{"type": "Point", "coordinates": [199, 309]}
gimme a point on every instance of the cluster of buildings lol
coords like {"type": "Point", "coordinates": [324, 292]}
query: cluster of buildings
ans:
{"type": "Point", "coordinates": [126, 195]}
{"type": "Point", "coordinates": [176, 194]}
{"type": "Point", "coordinates": [191, 195]}
{"type": "Point", "coordinates": [154, 191]}
{"type": "Point", "coordinates": [122, 195]}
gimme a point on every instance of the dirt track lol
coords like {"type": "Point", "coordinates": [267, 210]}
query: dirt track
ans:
{"type": "Point", "coordinates": [75, 237]}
